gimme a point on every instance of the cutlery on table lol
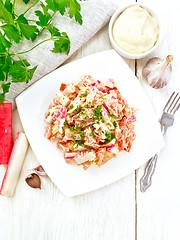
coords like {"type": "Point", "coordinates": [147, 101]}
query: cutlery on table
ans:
{"type": "Point", "coordinates": [167, 120]}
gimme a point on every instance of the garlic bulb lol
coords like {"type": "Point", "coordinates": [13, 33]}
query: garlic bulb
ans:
{"type": "Point", "coordinates": [157, 71]}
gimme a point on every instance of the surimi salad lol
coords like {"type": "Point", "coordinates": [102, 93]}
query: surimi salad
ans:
{"type": "Point", "coordinates": [91, 121]}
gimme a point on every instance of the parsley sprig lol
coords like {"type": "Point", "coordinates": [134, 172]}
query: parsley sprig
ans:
{"type": "Point", "coordinates": [15, 28]}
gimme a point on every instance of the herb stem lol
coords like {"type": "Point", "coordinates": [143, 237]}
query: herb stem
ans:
{"type": "Point", "coordinates": [31, 20]}
{"type": "Point", "coordinates": [30, 6]}
{"type": "Point", "coordinates": [32, 47]}
{"type": "Point", "coordinates": [13, 5]}
{"type": "Point", "coordinates": [20, 59]}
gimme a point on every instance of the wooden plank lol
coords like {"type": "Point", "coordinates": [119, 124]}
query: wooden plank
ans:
{"type": "Point", "coordinates": [158, 209]}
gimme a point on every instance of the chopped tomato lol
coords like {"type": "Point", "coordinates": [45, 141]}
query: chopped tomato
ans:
{"type": "Point", "coordinates": [63, 86]}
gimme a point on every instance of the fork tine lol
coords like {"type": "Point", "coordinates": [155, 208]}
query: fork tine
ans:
{"type": "Point", "coordinates": [168, 101]}
{"type": "Point", "coordinates": [174, 107]}
{"type": "Point", "coordinates": [172, 103]}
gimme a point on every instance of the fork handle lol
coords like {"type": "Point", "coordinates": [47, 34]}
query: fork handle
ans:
{"type": "Point", "coordinates": [146, 180]}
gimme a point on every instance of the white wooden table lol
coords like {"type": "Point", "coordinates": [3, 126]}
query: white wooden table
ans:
{"type": "Point", "coordinates": [118, 211]}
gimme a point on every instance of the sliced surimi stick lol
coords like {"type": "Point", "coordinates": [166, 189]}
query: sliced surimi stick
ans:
{"type": "Point", "coordinates": [14, 166]}
{"type": "Point", "coordinates": [5, 132]}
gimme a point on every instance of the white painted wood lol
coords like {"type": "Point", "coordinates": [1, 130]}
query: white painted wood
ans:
{"type": "Point", "coordinates": [107, 213]}
{"type": "Point", "coordinates": [158, 209]}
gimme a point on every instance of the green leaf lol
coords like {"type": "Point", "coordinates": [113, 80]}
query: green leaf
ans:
{"type": "Point", "coordinates": [74, 11]}
{"type": "Point", "coordinates": [5, 87]}
{"type": "Point", "coordinates": [2, 61]}
{"type": "Point", "coordinates": [7, 63]}
{"type": "Point", "coordinates": [5, 14]}
{"type": "Point", "coordinates": [51, 4]}
{"type": "Point", "coordinates": [43, 18]}
{"type": "Point", "coordinates": [31, 72]}
{"type": "Point", "coordinates": [54, 31]}
{"type": "Point", "coordinates": [22, 63]}
{"type": "Point", "coordinates": [2, 48]}
{"type": "Point", "coordinates": [26, 1]}
{"type": "Point", "coordinates": [29, 31]}
{"type": "Point", "coordinates": [9, 6]}
{"type": "Point", "coordinates": [22, 19]}
{"type": "Point", "coordinates": [62, 44]}
{"type": "Point", "coordinates": [4, 41]}
{"type": "Point", "coordinates": [62, 5]}
{"type": "Point", "coordinates": [1, 75]}
{"type": "Point", "coordinates": [1, 97]}
{"type": "Point", "coordinates": [11, 32]}
{"type": "Point", "coordinates": [21, 73]}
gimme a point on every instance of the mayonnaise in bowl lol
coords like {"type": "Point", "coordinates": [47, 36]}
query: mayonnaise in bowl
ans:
{"type": "Point", "coordinates": [134, 31]}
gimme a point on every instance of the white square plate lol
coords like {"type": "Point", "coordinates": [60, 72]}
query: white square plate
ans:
{"type": "Point", "coordinates": [72, 179]}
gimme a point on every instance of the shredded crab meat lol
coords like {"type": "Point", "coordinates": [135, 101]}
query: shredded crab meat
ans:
{"type": "Point", "coordinates": [91, 121]}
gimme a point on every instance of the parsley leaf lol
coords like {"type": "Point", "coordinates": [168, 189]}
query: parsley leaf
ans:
{"type": "Point", "coordinates": [9, 6]}
{"type": "Point", "coordinates": [74, 11]}
{"type": "Point", "coordinates": [21, 73]}
{"type": "Point", "coordinates": [5, 14]}
{"type": "Point", "coordinates": [52, 5]}
{"type": "Point", "coordinates": [62, 44]}
{"type": "Point", "coordinates": [5, 87]}
{"type": "Point", "coordinates": [4, 41]}
{"type": "Point", "coordinates": [11, 32]}
{"type": "Point", "coordinates": [29, 31]}
{"type": "Point", "coordinates": [44, 16]}
{"type": "Point", "coordinates": [54, 31]}
{"type": "Point", "coordinates": [26, 1]}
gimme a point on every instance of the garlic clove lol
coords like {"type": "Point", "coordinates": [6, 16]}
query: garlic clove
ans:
{"type": "Point", "coordinates": [40, 171]}
{"type": "Point", "coordinates": [33, 180]}
{"type": "Point", "coordinates": [157, 71]}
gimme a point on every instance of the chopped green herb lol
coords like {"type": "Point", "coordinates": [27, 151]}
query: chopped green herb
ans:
{"type": "Point", "coordinates": [87, 148]}
{"type": "Point", "coordinates": [71, 129]}
{"type": "Point", "coordinates": [109, 136]}
{"type": "Point", "coordinates": [83, 122]}
{"type": "Point", "coordinates": [94, 136]}
{"type": "Point", "coordinates": [65, 123]}
{"type": "Point", "coordinates": [77, 109]}
{"type": "Point", "coordinates": [111, 115]}
{"type": "Point", "coordinates": [71, 106]}
{"type": "Point", "coordinates": [102, 121]}
{"type": "Point", "coordinates": [115, 124]}
{"type": "Point", "coordinates": [120, 112]}
{"type": "Point", "coordinates": [84, 94]}
{"type": "Point", "coordinates": [91, 126]}
{"type": "Point", "coordinates": [112, 136]}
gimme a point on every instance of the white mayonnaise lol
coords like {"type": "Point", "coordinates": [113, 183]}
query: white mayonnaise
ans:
{"type": "Point", "coordinates": [135, 30]}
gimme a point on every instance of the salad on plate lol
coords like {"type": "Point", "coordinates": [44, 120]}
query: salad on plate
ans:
{"type": "Point", "coordinates": [91, 121]}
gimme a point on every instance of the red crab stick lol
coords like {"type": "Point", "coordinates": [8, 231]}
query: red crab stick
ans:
{"type": "Point", "coordinates": [5, 132]}
{"type": "Point", "coordinates": [14, 166]}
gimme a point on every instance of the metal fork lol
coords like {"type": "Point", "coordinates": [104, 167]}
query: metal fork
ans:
{"type": "Point", "coordinates": [167, 120]}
